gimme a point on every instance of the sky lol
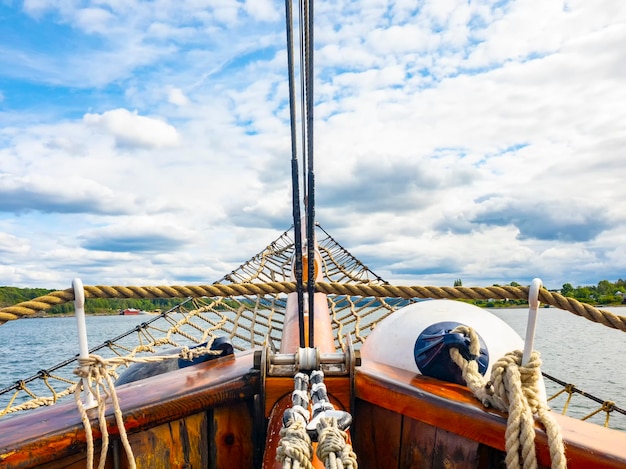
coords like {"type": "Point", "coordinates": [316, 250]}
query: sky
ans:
{"type": "Point", "coordinates": [148, 142]}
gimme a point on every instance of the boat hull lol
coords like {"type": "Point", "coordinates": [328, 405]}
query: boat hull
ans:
{"type": "Point", "coordinates": [212, 415]}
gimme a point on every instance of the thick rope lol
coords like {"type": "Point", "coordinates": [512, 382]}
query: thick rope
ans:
{"type": "Point", "coordinates": [295, 449]}
{"type": "Point", "coordinates": [514, 388]}
{"type": "Point", "coordinates": [28, 308]}
{"type": "Point", "coordinates": [333, 447]}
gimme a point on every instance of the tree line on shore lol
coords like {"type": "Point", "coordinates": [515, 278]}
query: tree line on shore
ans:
{"type": "Point", "coordinates": [12, 295]}
{"type": "Point", "coordinates": [604, 293]}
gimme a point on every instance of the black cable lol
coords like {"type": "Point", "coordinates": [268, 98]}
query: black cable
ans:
{"type": "Point", "coordinates": [311, 175]}
{"type": "Point", "coordinates": [297, 223]}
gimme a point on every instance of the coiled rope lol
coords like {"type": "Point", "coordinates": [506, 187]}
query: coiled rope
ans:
{"type": "Point", "coordinates": [28, 308]}
{"type": "Point", "coordinates": [98, 372]}
{"type": "Point", "coordinates": [513, 388]}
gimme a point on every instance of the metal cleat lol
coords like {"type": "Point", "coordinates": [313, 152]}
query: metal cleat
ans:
{"type": "Point", "coordinates": [344, 420]}
{"type": "Point", "coordinates": [322, 408]}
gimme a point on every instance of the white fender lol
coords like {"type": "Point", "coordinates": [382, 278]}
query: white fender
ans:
{"type": "Point", "coordinates": [393, 340]}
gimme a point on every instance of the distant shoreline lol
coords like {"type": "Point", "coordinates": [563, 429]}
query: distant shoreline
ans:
{"type": "Point", "coordinates": [44, 314]}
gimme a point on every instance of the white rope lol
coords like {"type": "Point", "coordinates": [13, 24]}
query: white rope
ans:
{"type": "Point", "coordinates": [295, 449]}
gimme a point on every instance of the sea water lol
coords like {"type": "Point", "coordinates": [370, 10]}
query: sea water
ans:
{"type": "Point", "coordinates": [573, 349]}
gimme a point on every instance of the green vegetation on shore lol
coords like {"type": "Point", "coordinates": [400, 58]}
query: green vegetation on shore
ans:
{"type": "Point", "coordinates": [10, 296]}
{"type": "Point", "coordinates": [605, 293]}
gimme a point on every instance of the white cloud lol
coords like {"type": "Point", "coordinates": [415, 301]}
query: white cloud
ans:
{"type": "Point", "coordinates": [263, 10]}
{"type": "Point", "coordinates": [132, 130]}
{"type": "Point", "coordinates": [11, 245]}
{"type": "Point", "coordinates": [176, 96]}
{"type": "Point", "coordinates": [44, 194]}
{"type": "Point", "coordinates": [94, 20]}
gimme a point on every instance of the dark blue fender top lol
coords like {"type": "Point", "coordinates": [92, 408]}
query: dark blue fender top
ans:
{"type": "Point", "coordinates": [138, 371]}
{"type": "Point", "coordinates": [432, 352]}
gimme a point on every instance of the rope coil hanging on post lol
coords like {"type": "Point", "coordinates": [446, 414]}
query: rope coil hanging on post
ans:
{"type": "Point", "coordinates": [514, 389]}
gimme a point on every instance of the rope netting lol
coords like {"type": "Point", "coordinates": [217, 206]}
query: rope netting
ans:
{"type": "Point", "coordinates": [247, 306]}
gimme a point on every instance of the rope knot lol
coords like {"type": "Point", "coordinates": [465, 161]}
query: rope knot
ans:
{"type": "Point", "coordinates": [331, 438]}
{"type": "Point", "coordinates": [333, 445]}
{"type": "Point", "coordinates": [295, 444]}
{"type": "Point", "coordinates": [514, 388]}
{"type": "Point", "coordinates": [608, 406]}
{"type": "Point", "coordinates": [186, 354]}
{"type": "Point", "coordinates": [94, 366]}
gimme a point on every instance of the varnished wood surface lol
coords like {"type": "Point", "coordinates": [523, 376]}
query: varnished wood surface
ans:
{"type": "Point", "coordinates": [454, 409]}
{"type": "Point", "coordinates": [376, 434]}
{"type": "Point", "coordinates": [232, 442]}
{"type": "Point", "coordinates": [46, 434]}
{"type": "Point", "coordinates": [324, 339]}
{"type": "Point", "coordinates": [384, 438]}
{"type": "Point", "coordinates": [417, 443]}
{"type": "Point", "coordinates": [180, 443]}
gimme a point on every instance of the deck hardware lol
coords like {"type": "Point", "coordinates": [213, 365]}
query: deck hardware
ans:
{"type": "Point", "coordinates": [322, 408]}
{"type": "Point", "coordinates": [288, 364]}
{"type": "Point", "coordinates": [79, 307]}
{"type": "Point", "coordinates": [533, 304]}
{"type": "Point", "coordinates": [308, 358]}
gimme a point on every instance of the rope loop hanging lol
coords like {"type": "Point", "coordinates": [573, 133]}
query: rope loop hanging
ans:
{"type": "Point", "coordinates": [514, 388]}
{"type": "Point", "coordinates": [95, 370]}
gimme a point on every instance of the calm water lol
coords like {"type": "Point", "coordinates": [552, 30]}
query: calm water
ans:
{"type": "Point", "coordinates": [573, 349]}
{"type": "Point", "coordinates": [578, 351]}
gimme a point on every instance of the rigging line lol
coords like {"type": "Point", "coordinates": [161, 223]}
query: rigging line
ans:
{"type": "Point", "coordinates": [108, 343]}
{"type": "Point", "coordinates": [297, 222]}
{"type": "Point", "coordinates": [302, 88]}
{"type": "Point", "coordinates": [311, 176]}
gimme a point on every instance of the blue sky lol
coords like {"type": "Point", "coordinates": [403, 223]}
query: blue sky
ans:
{"type": "Point", "coordinates": [147, 143]}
